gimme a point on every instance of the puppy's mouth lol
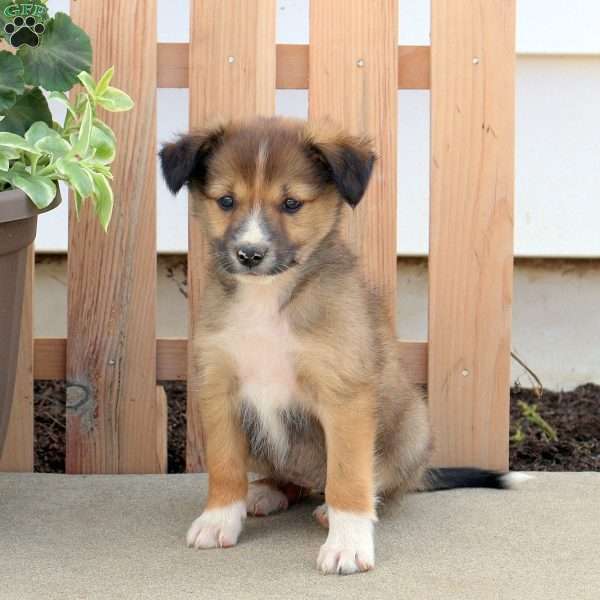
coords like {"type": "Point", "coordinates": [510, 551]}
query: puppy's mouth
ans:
{"type": "Point", "coordinates": [272, 271]}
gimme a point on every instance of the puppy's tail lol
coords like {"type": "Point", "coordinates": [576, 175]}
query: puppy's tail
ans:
{"type": "Point", "coordinates": [451, 478]}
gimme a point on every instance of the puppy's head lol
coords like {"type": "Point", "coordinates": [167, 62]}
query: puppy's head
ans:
{"type": "Point", "coordinates": [269, 190]}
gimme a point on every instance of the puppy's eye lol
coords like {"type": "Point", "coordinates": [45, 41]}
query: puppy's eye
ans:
{"type": "Point", "coordinates": [291, 205]}
{"type": "Point", "coordinates": [226, 202]}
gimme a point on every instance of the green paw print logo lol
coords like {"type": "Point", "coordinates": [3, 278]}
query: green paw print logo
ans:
{"type": "Point", "coordinates": [24, 31]}
{"type": "Point", "coordinates": [24, 22]}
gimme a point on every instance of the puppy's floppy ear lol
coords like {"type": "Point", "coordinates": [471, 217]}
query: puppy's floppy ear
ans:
{"type": "Point", "coordinates": [344, 160]}
{"type": "Point", "coordinates": [186, 160]}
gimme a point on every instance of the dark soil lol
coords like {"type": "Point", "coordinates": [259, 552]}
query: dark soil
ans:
{"type": "Point", "coordinates": [574, 417]}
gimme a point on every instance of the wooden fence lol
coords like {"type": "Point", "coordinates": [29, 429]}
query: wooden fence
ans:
{"type": "Point", "coordinates": [353, 67]}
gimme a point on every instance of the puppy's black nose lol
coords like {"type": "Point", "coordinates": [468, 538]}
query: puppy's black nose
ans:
{"type": "Point", "coordinates": [251, 256]}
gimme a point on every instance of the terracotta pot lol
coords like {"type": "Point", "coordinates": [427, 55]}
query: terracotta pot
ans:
{"type": "Point", "coordinates": [18, 224]}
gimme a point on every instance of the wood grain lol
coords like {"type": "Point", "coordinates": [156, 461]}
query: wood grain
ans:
{"type": "Point", "coordinates": [232, 74]}
{"type": "Point", "coordinates": [353, 72]}
{"type": "Point", "coordinates": [111, 348]}
{"type": "Point", "coordinates": [17, 454]}
{"type": "Point", "coordinates": [471, 230]}
{"type": "Point", "coordinates": [292, 66]}
{"type": "Point", "coordinates": [171, 359]}
{"type": "Point", "coordinates": [50, 358]}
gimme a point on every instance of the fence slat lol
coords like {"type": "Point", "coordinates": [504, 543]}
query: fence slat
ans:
{"type": "Point", "coordinates": [353, 79]}
{"type": "Point", "coordinates": [112, 410]}
{"type": "Point", "coordinates": [232, 74]}
{"type": "Point", "coordinates": [471, 232]}
{"type": "Point", "coordinates": [17, 455]}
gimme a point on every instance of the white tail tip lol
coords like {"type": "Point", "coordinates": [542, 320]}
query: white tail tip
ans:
{"type": "Point", "coordinates": [515, 478]}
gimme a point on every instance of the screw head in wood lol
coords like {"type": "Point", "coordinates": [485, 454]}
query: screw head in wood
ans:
{"type": "Point", "coordinates": [465, 373]}
{"type": "Point", "coordinates": [476, 60]}
{"type": "Point", "coordinates": [360, 63]}
{"type": "Point", "coordinates": [231, 59]}
{"type": "Point", "coordinates": [112, 362]}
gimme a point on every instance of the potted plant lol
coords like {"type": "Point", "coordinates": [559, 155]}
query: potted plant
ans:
{"type": "Point", "coordinates": [42, 58]}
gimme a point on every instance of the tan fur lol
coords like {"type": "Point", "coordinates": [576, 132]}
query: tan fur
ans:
{"type": "Point", "coordinates": [358, 427]}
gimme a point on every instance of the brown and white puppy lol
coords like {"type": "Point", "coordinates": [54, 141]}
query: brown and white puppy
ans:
{"type": "Point", "coordinates": [297, 374]}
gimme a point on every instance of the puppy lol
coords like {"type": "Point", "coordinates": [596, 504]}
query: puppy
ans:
{"type": "Point", "coordinates": [296, 367]}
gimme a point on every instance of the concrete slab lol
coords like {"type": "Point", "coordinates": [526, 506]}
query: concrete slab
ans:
{"type": "Point", "coordinates": [122, 537]}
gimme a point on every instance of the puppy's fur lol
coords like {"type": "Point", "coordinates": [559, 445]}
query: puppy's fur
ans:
{"type": "Point", "coordinates": [297, 372]}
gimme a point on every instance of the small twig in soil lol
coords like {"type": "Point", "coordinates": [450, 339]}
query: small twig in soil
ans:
{"type": "Point", "coordinates": [539, 387]}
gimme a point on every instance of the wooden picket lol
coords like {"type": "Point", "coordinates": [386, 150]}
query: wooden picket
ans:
{"type": "Point", "coordinates": [353, 67]}
{"type": "Point", "coordinates": [232, 74]}
{"type": "Point", "coordinates": [112, 401]}
{"type": "Point", "coordinates": [471, 230]}
{"type": "Point", "coordinates": [353, 79]}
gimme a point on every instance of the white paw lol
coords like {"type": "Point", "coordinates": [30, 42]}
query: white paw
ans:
{"type": "Point", "coordinates": [320, 514]}
{"type": "Point", "coordinates": [217, 527]}
{"type": "Point", "coordinates": [264, 500]}
{"type": "Point", "coordinates": [349, 547]}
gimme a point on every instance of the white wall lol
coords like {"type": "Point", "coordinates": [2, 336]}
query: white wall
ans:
{"type": "Point", "coordinates": [558, 129]}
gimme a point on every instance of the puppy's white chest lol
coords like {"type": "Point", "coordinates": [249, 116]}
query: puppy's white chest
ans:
{"type": "Point", "coordinates": [259, 339]}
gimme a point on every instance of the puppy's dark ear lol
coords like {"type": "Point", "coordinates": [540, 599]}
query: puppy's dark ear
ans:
{"type": "Point", "coordinates": [344, 160]}
{"type": "Point", "coordinates": [186, 160]}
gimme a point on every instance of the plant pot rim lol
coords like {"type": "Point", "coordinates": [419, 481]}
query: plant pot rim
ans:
{"type": "Point", "coordinates": [15, 205]}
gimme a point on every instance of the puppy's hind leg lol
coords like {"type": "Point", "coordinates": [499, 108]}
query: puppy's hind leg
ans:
{"type": "Point", "coordinates": [267, 496]}
{"type": "Point", "coordinates": [405, 451]}
{"type": "Point", "coordinates": [321, 514]}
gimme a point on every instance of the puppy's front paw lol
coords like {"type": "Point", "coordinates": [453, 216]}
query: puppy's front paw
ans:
{"type": "Point", "coordinates": [217, 527]}
{"type": "Point", "coordinates": [349, 547]}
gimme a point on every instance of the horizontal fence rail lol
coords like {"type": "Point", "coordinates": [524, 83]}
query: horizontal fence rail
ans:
{"type": "Point", "coordinates": [50, 357]}
{"type": "Point", "coordinates": [292, 64]}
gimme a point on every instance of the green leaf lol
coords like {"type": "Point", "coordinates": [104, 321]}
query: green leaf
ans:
{"type": "Point", "coordinates": [29, 108]}
{"type": "Point", "coordinates": [78, 204]}
{"type": "Point", "coordinates": [115, 100]}
{"type": "Point", "coordinates": [16, 142]}
{"type": "Point", "coordinates": [98, 167]}
{"type": "Point", "coordinates": [77, 177]}
{"type": "Point", "coordinates": [85, 131]}
{"type": "Point", "coordinates": [105, 81]}
{"type": "Point", "coordinates": [106, 129]}
{"type": "Point", "coordinates": [65, 51]}
{"type": "Point", "coordinates": [4, 164]}
{"type": "Point", "coordinates": [47, 140]}
{"type": "Point", "coordinates": [38, 131]}
{"type": "Point", "coordinates": [88, 83]}
{"type": "Point", "coordinates": [56, 146]}
{"type": "Point", "coordinates": [104, 144]}
{"type": "Point", "coordinates": [41, 190]}
{"type": "Point", "coordinates": [104, 199]}
{"type": "Point", "coordinates": [11, 80]}
{"type": "Point", "coordinates": [10, 153]}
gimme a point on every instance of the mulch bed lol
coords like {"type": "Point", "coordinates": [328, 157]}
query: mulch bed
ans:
{"type": "Point", "coordinates": [574, 418]}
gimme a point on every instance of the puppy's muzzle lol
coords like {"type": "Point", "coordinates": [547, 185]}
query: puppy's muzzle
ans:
{"type": "Point", "coordinates": [251, 256]}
